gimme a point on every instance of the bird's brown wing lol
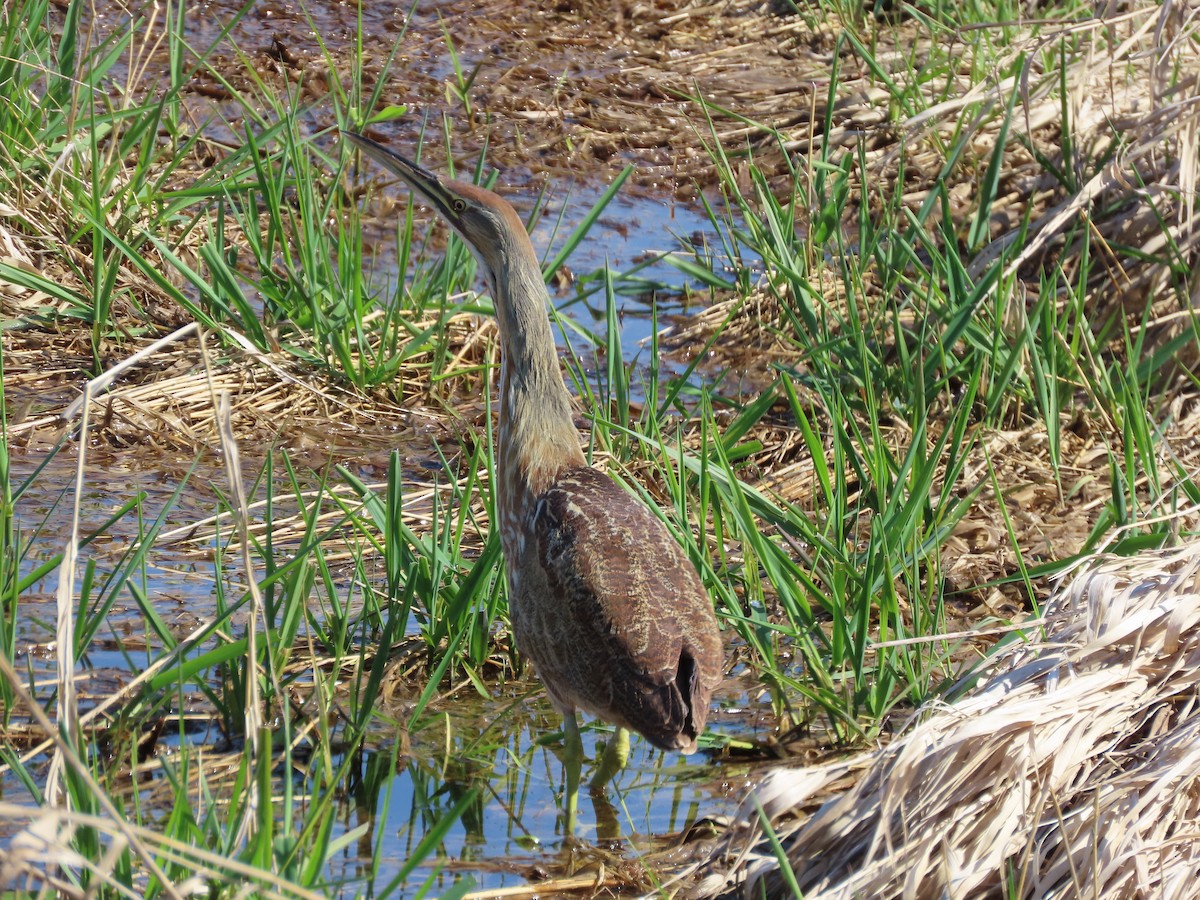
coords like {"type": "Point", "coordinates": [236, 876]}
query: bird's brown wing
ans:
{"type": "Point", "coordinates": [639, 642]}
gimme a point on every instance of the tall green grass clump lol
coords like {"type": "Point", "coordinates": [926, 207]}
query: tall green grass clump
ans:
{"type": "Point", "coordinates": [896, 322]}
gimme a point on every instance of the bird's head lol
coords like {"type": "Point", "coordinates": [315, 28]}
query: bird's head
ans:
{"type": "Point", "coordinates": [486, 222]}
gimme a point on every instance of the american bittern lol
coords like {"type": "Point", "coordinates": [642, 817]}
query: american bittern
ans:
{"type": "Point", "coordinates": [602, 599]}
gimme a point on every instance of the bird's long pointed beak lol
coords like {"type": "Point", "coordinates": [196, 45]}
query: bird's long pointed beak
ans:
{"type": "Point", "coordinates": [419, 179]}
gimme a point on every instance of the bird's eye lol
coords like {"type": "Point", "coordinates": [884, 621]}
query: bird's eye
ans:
{"type": "Point", "coordinates": [459, 206]}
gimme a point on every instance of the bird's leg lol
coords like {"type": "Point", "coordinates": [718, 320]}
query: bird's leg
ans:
{"type": "Point", "coordinates": [573, 763]}
{"type": "Point", "coordinates": [616, 754]}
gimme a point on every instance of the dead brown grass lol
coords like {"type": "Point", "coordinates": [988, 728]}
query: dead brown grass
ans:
{"type": "Point", "coordinates": [164, 403]}
{"type": "Point", "coordinates": [40, 860]}
{"type": "Point", "coordinates": [1136, 163]}
{"type": "Point", "coordinates": [1072, 769]}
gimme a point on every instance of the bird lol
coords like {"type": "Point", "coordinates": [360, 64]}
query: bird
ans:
{"type": "Point", "coordinates": [602, 599]}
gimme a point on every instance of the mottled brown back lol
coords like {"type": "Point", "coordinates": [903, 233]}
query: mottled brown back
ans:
{"type": "Point", "coordinates": [602, 599]}
{"type": "Point", "coordinates": [618, 624]}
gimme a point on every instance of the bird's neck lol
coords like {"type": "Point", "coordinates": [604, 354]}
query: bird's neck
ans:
{"type": "Point", "coordinates": [537, 438]}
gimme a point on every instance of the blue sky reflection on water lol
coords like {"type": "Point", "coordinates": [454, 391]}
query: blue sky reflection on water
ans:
{"type": "Point", "coordinates": [513, 826]}
{"type": "Point", "coordinates": [506, 748]}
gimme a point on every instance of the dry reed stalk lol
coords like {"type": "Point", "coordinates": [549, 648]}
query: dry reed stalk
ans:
{"type": "Point", "coordinates": [43, 846]}
{"type": "Point", "coordinates": [113, 823]}
{"type": "Point", "coordinates": [1073, 769]}
{"type": "Point", "coordinates": [66, 707]}
{"type": "Point", "coordinates": [254, 717]}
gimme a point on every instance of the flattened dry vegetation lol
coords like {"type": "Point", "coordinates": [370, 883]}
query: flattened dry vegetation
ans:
{"type": "Point", "coordinates": [1068, 770]}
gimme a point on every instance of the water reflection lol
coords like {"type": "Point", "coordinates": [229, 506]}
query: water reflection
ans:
{"type": "Point", "coordinates": [471, 790]}
{"type": "Point", "coordinates": [486, 785]}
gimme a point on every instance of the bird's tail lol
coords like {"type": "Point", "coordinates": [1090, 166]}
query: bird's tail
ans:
{"type": "Point", "coordinates": [672, 716]}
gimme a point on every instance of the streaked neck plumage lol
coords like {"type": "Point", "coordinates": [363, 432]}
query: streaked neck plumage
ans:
{"type": "Point", "coordinates": [537, 439]}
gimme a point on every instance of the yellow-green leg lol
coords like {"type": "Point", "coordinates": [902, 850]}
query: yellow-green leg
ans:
{"type": "Point", "coordinates": [616, 754]}
{"type": "Point", "coordinates": [573, 763]}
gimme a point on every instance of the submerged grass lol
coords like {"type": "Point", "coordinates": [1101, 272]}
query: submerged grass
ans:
{"type": "Point", "coordinates": [898, 334]}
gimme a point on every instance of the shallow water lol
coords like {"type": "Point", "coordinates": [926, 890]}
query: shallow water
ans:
{"type": "Point", "coordinates": [652, 215]}
{"type": "Point", "coordinates": [505, 750]}
{"type": "Point", "coordinates": [513, 828]}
